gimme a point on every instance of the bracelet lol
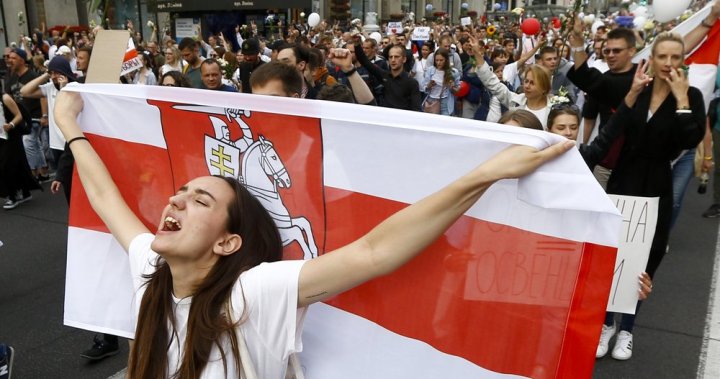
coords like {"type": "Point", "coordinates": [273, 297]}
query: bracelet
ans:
{"type": "Point", "coordinates": [578, 49]}
{"type": "Point", "coordinates": [76, 139]}
{"type": "Point", "coordinates": [707, 25]}
{"type": "Point", "coordinates": [708, 158]}
{"type": "Point", "coordinates": [348, 73]}
{"type": "Point", "coordinates": [11, 124]}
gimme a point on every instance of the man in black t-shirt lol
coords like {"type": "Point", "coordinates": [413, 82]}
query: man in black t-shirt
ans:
{"type": "Point", "coordinates": [37, 142]}
{"type": "Point", "coordinates": [608, 88]}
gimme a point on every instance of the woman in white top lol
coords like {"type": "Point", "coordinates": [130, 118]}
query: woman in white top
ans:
{"type": "Point", "coordinates": [144, 75]}
{"type": "Point", "coordinates": [418, 71]}
{"type": "Point", "coordinates": [173, 62]}
{"type": "Point", "coordinates": [441, 82]}
{"type": "Point", "coordinates": [536, 87]}
{"type": "Point", "coordinates": [203, 285]}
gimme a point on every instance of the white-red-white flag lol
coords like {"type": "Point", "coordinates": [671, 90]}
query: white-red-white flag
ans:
{"type": "Point", "coordinates": [131, 61]}
{"type": "Point", "coordinates": [516, 288]}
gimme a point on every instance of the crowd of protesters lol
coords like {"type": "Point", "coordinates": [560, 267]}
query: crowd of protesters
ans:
{"type": "Point", "coordinates": [568, 77]}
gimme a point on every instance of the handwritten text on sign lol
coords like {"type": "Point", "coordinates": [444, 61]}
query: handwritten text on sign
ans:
{"type": "Point", "coordinates": [638, 229]}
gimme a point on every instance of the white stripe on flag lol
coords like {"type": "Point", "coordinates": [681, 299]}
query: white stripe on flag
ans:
{"type": "Point", "coordinates": [371, 351]}
{"type": "Point", "coordinates": [111, 270]}
{"type": "Point", "coordinates": [406, 169]}
{"type": "Point", "coordinates": [384, 131]}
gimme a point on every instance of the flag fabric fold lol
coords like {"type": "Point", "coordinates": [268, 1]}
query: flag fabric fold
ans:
{"type": "Point", "coordinates": [516, 288]}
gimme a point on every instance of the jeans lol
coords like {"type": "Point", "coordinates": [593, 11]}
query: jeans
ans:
{"type": "Point", "coordinates": [683, 170]}
{"type": "Point", "coordinates": [33, 146]}
{"type": "Point", "coordinates": [444, 102]}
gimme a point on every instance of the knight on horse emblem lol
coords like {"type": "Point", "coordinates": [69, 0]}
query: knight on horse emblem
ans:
{"type": "Point", "coordinates": [257, 165]}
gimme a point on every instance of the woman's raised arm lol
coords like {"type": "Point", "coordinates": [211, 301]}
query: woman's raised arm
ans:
{"type": "Point", "coordinates": [406, 233]}
{"type": "Point", "coordinates": [104, 196]}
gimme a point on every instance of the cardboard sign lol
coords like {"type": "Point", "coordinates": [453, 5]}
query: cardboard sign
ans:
{"type": "Point", "coordinates": [109, 52]}
{"type": "Point", "coordinates": [465, 21]}
{"type": "Point", "coordinates": [638, 230]}
{"type": "Point", "coordinates": [394, 27]}
{"type": "Point", "coordinates": [421, 33]}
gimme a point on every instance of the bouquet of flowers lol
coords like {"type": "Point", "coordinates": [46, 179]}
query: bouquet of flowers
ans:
{"type": "Point", "coordinates": [561, 97]}
{"type": "Point", "coordinates": [228, 68]}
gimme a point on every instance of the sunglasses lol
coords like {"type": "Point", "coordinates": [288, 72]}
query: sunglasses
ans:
{"type": "Point", "coordinates": [566, 106]}
{"type": "Point", "coordinates": [614, 51]}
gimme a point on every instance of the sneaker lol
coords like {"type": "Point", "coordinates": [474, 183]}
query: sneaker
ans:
{"type": "Point", "coordinates": [604, 345]}
{"type": "Point", "coordinates": [623, 346]}
{"type": "Point", "coordinates": [43, 178]}
{"type": "Point", "coordinates": [7, 354]}
{"type": "Point", "coordinates": [712, 212]}
{"type": "Point", "coordinates": [11, 204]}
{"type": "Point", "coordinates": [101, 349]}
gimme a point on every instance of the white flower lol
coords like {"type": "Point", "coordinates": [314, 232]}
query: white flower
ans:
{"type": "Point", "coordinates": [150, 24]}
{"type": "Point", "coordinates": [559, 100]}
{"type": "Point", "coordinates": [223, 63]}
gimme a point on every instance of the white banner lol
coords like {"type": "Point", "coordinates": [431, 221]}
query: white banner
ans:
{"type": "Point", "coordinates": [638, 230]}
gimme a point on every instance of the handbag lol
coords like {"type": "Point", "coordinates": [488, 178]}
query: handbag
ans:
{"type": "Point", "coordinates": [431, 105]}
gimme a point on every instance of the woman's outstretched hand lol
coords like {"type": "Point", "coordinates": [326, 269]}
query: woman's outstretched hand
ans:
{"type": "Point", "coordinates": [517, 161]}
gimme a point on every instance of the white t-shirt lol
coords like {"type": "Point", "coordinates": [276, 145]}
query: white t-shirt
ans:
{"type": "Point", "coordinates": [57, 141]}
{"type": "Point", "coordinates": [273, 326]}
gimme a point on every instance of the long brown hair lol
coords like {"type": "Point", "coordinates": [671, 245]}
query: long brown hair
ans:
{"type": "Point", "coordinates": [448, 76]}
{"type": "Point", "coordinates": [209, 316]}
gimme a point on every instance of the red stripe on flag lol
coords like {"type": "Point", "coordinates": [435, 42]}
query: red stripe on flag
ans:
{"type": "Point", "coordinates": [141, 184]}
{"type": "Point", "coordinates": [130, 54]}
{"type": "Point", "coordinates": [709, 51]}
{"type": "Point", "coordinates": [505, 303]}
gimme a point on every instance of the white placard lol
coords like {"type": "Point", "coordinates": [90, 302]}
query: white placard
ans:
{"type": "Point", "coordinates": [465, 21]}
{"type": "Point", "coordinates": [187, 27]}
{"type": "Point", "coordinates": [394, 27]}
{"type": "Point", "coordinates": [638, 230]}
{"type": "Point", "coordinates": [421, 33]}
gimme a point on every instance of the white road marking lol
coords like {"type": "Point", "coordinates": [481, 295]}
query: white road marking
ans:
{"type": "Point", "coordinates": [709, 365]}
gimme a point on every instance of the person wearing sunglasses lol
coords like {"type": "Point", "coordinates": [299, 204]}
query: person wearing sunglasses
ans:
{"type": "Point", "coordinates": [174, 79]}
{"type": "Point", "coordinates": [608, 89]}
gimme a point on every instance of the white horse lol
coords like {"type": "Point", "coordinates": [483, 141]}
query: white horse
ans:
{"type": "Point", "coordinates": [262, 172]}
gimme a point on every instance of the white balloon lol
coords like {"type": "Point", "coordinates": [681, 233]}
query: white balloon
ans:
{"type": "Point", "coordinates": [376, 36]}
{"type": "Point", "coordinates": [666, 10]}
{"type": "Point", "coordinates": [640, 11]}
{"type": "Point", "coordinates": [596, 25]}
{"type": "Point", "coordinates": [639, 22]}
{"type": "Point", "coordinates": [313, 20]}
{"type": "Point", "coordinates": [429, 7]}
{"type": "Point", "coordinates": [589, 19]}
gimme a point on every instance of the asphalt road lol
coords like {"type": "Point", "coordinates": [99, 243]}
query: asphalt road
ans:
{"type": "Point", "coordinates": [668, 335]}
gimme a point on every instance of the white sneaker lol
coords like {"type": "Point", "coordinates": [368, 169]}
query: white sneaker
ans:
{"type": "Point", "coordinates": [623, 346]}
{"type": "Point", "coordinates": [603, 346]}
